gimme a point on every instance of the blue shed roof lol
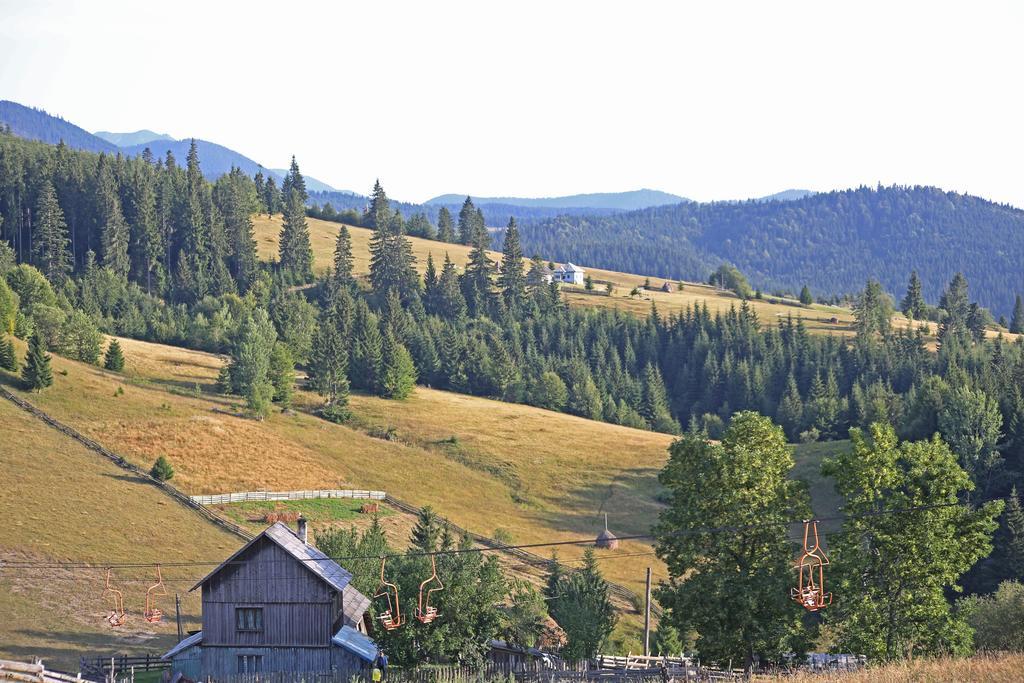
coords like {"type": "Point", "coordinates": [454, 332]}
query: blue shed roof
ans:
{"type": "Point", "coordinates": [355, 642]}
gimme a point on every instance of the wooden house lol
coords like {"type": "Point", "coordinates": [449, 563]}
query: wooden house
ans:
{"type": "Point", "coordinates": [278, 604]}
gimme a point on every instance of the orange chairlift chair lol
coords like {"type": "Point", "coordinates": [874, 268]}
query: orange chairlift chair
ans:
{"type": "Point", "coordinates": [117, 615]}
{"type": "Point", "coordinates": [154, 614]}
{"type": "Point", "coordinates": [810, 589]}
{"type": "Point", "coordinates": [424, 611]}
{"type": "Point", "coordinates": [391, 617]}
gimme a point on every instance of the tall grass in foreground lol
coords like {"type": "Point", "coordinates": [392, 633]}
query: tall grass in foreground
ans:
{"type": "Point", "coordinates": [993, 668]}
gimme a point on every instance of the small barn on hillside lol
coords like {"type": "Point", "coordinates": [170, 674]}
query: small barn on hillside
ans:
{"type": "Point", "coordinates": [278, 604]}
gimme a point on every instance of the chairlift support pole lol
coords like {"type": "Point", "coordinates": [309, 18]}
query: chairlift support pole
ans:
{"type": "Point", "coordinates": [647, 615]}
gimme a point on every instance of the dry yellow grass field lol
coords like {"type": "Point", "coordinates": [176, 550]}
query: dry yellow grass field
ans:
{"type": "Point", "coordinates": [536, 474]}
{"type": "Point", "coordinates": [62, 502]}
{"type": "Point", "coordinates": [991, 668]}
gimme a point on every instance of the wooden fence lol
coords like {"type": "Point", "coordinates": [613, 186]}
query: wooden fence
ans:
{"type": "Point", "coordinates": [99, 668]}
{"type": "Point", "coordinates": [261, 496]}
{"type": "Point", "coordinates": [35, 673]}
{"type": "Point", "coordinates": [497, 672]}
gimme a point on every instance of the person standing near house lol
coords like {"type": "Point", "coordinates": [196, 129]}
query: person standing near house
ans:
{"type": "Point", "coordinates": [380, 665]}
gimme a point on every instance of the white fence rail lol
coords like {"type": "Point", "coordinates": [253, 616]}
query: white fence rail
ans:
{"type": "Point", "coordinates": [248, 496]}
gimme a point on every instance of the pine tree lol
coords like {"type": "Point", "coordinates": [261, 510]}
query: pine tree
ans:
{"type": "Point", "coordinates": [450, 304]}
{"type": "Point", "coordinates": [467, 222]}
{"type": "Point", "coordinates": [146, 243]}
{"type": "Point", "coordinates": [8, 359]}
{"type": "Point", "coordinates": [445, 228]}
{"type": "Point", "coordinates": [791, 409]}
{"type": "Point", "coordinates": [296, 254]}
{"type": "Point", "coordinates": [343, 259]}
{"type": "Point", "coordinates": [655, 406]}
{"type": "Point", "coordinates": [114, 357]}
{"type": "Point", "coordinates": [379, 214]}
{"type": "Point", "coordinates": [271, 197]}
{"type": "Point", "coordinates": [913, 305]}
{"type": "Point", "coordinates": [51, 244]}
{"type": "Point", "coordinates": [476, 283]}
{"type": "Point", "coordinates": [36, 372]}
{"type": "Point", "coordinates": [328, 371]}
{"type": "Point", "coordinates": [193, 250]}
{"type": "Point", "coordinates": [250, 363]}
{"type": "Point", "coordinates": [282, 374]}
{"type": "Point", "coordinates": [366, 361]}
{"type": "Point", "coordinates": [511, 280]}
{"type": "Point", "coordinates": [1017, 322]}
{"type": "Point", "coordinates": [1013, 548]}
{"type": "Point", "coordinates": [114, 231]}
{"type": "Point", "coordinates": [161, 469]}
{"type": "Point", "coordinates": [392, 264]}
{"type": "Point", "coordinates": [805, 296]}
{"type": "Point", "coordinates": [399, 372]}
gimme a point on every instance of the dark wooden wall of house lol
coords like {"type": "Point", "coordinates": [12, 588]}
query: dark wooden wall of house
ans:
{"type": "Point", "coordinates": [299, 609]}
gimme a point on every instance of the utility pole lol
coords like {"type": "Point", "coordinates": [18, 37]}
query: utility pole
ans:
{"type": "Point", "coordinates": [647, 616]}
{"type": "Point", "coordinates": [177, 616]}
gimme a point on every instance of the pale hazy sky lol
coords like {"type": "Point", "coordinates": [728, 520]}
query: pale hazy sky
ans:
{"type": "Point", "coordinates": [710, 100]}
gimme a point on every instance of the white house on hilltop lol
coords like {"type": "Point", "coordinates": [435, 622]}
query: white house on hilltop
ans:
{"type": "Point", "coordinates": [569, 274]}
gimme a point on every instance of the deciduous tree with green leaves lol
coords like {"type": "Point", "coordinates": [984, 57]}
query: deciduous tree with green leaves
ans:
{"type": "Point", "coordinates": [890, 572]}
{"type": "Point", "coordinates": [732, 588]}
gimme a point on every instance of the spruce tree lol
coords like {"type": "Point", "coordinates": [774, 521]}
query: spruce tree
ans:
{"type": "Point", "coordinates": [296, 254]}
{"type": "Point", "coordinates": [36, 372]}
{"type": "Point", "coordinates": [343, 258]}
{"type": "Point", "coordinates": [113, 359]}
{"type": "Point", "coordinates": [805, 296]}
{"type": "Point", "coordinates": [913, 305]}
{"type": "Point", "coordinates": [655, 406]}
{"type": "Point", "coordinates": [365, 362]}
{"type": "Point", "coordinates": [451, 304]}
{"type": "Point", "coordinates": [114, 231]}
{"type": "Point", "coordinates": [192, 273]}
{"type": "Point", "coordinates": [328, 371]}
{"type": "Point", "coordinates": [1013, 546]}
{"type": "Point", "coordinates": [1017, 322]}
{"type": "Point", "coordinates": [399, 373]}
{"type": "Point", "coordinates": [250, 363]}
{"type": "Point", "coordinates": [511, 279]}
{"type": "Point", "coordinates": [392, 264]}
{"type": "Point", "coordinates": [467, 222]}
{"type": "Point", "coordinates": [379, 213]}
{"type": "Point", "coordinates": [445, 228]}
{"type": "Point", "coordinates": [8, 359]}
{"type": "Point", "coordinates": [51, 246]}
{"type": "Point", "coordinates": [479, 271]}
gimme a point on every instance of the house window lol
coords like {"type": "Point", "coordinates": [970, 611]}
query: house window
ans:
{"type": "Point", "coordinates": [249, 618]}
{"type": "Point", "coordinates": [250, 664]}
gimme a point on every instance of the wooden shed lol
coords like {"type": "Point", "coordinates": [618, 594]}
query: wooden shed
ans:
{"type": "Point", "coordinates": [278, 604]}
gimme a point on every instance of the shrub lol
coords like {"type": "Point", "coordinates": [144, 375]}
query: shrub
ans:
{"type": "Point", "coordinates": [996, 618]}
{"type": "Point", "coordinates": [162, 469]}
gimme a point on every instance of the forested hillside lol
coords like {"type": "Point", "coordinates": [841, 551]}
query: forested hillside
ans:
{"type": "Point", "coordinates": [832, 241]}
{"type": "Point", "coordinates": [36, 124]}
{"type": "Point", "coordinates": [622, 201]}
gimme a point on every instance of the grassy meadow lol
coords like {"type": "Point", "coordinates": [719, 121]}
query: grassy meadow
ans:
{"type": "Point", "coordinates": [62, 502]}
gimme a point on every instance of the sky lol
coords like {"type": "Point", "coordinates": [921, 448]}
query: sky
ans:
{"type": "Point", "coordinates": [708, 100]}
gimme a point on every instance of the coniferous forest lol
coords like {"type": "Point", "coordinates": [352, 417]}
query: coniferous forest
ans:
{"type": "Point", "coordinates": [835, 241]}
{"type": "Point", "coordinates": [148, 248]}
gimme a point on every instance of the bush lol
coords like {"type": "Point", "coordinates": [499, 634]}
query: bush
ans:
{"type": "Point", "coordinates": [810, 436]}
{"type": "Point", "coordinates": [996, 618]}
{"type": "Point", "coordinates": [162, 469]}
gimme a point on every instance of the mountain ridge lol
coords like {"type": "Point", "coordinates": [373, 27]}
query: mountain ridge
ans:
{"type": "Point", "coordinates": [627, 200]}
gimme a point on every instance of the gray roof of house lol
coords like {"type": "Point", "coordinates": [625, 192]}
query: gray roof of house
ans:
{"type": "Point", "coordinates": [193, 639]}
{"type": "Point", "coordinates": [314, 560]}
{"type": "Point", "coordinates": [354, 604]}
{"type": "Point", "coordinates": [355, 642]}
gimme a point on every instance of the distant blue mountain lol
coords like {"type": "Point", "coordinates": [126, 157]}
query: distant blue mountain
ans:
{"type": "Point", "coordinates": [139, 137]}
{"type": "Point", "coordinates": [36, 124]}
{"type": "Point", "coordinates": [787, 195]}
{"type": "Point", "coordinates": [312, 184]}
{"type": "Point", "coordinates": [622, 201]}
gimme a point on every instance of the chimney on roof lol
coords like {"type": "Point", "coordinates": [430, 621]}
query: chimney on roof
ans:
{"type": "Point", "coordinates": [303, 530]}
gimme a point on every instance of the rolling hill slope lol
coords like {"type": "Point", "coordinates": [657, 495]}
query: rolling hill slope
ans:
{"type": "Point", "coordinates": [832, 241]}
{"type": "Point", "coordinates": [62, 502]}
{"type": "Point", "coordinates": [36, 124]}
